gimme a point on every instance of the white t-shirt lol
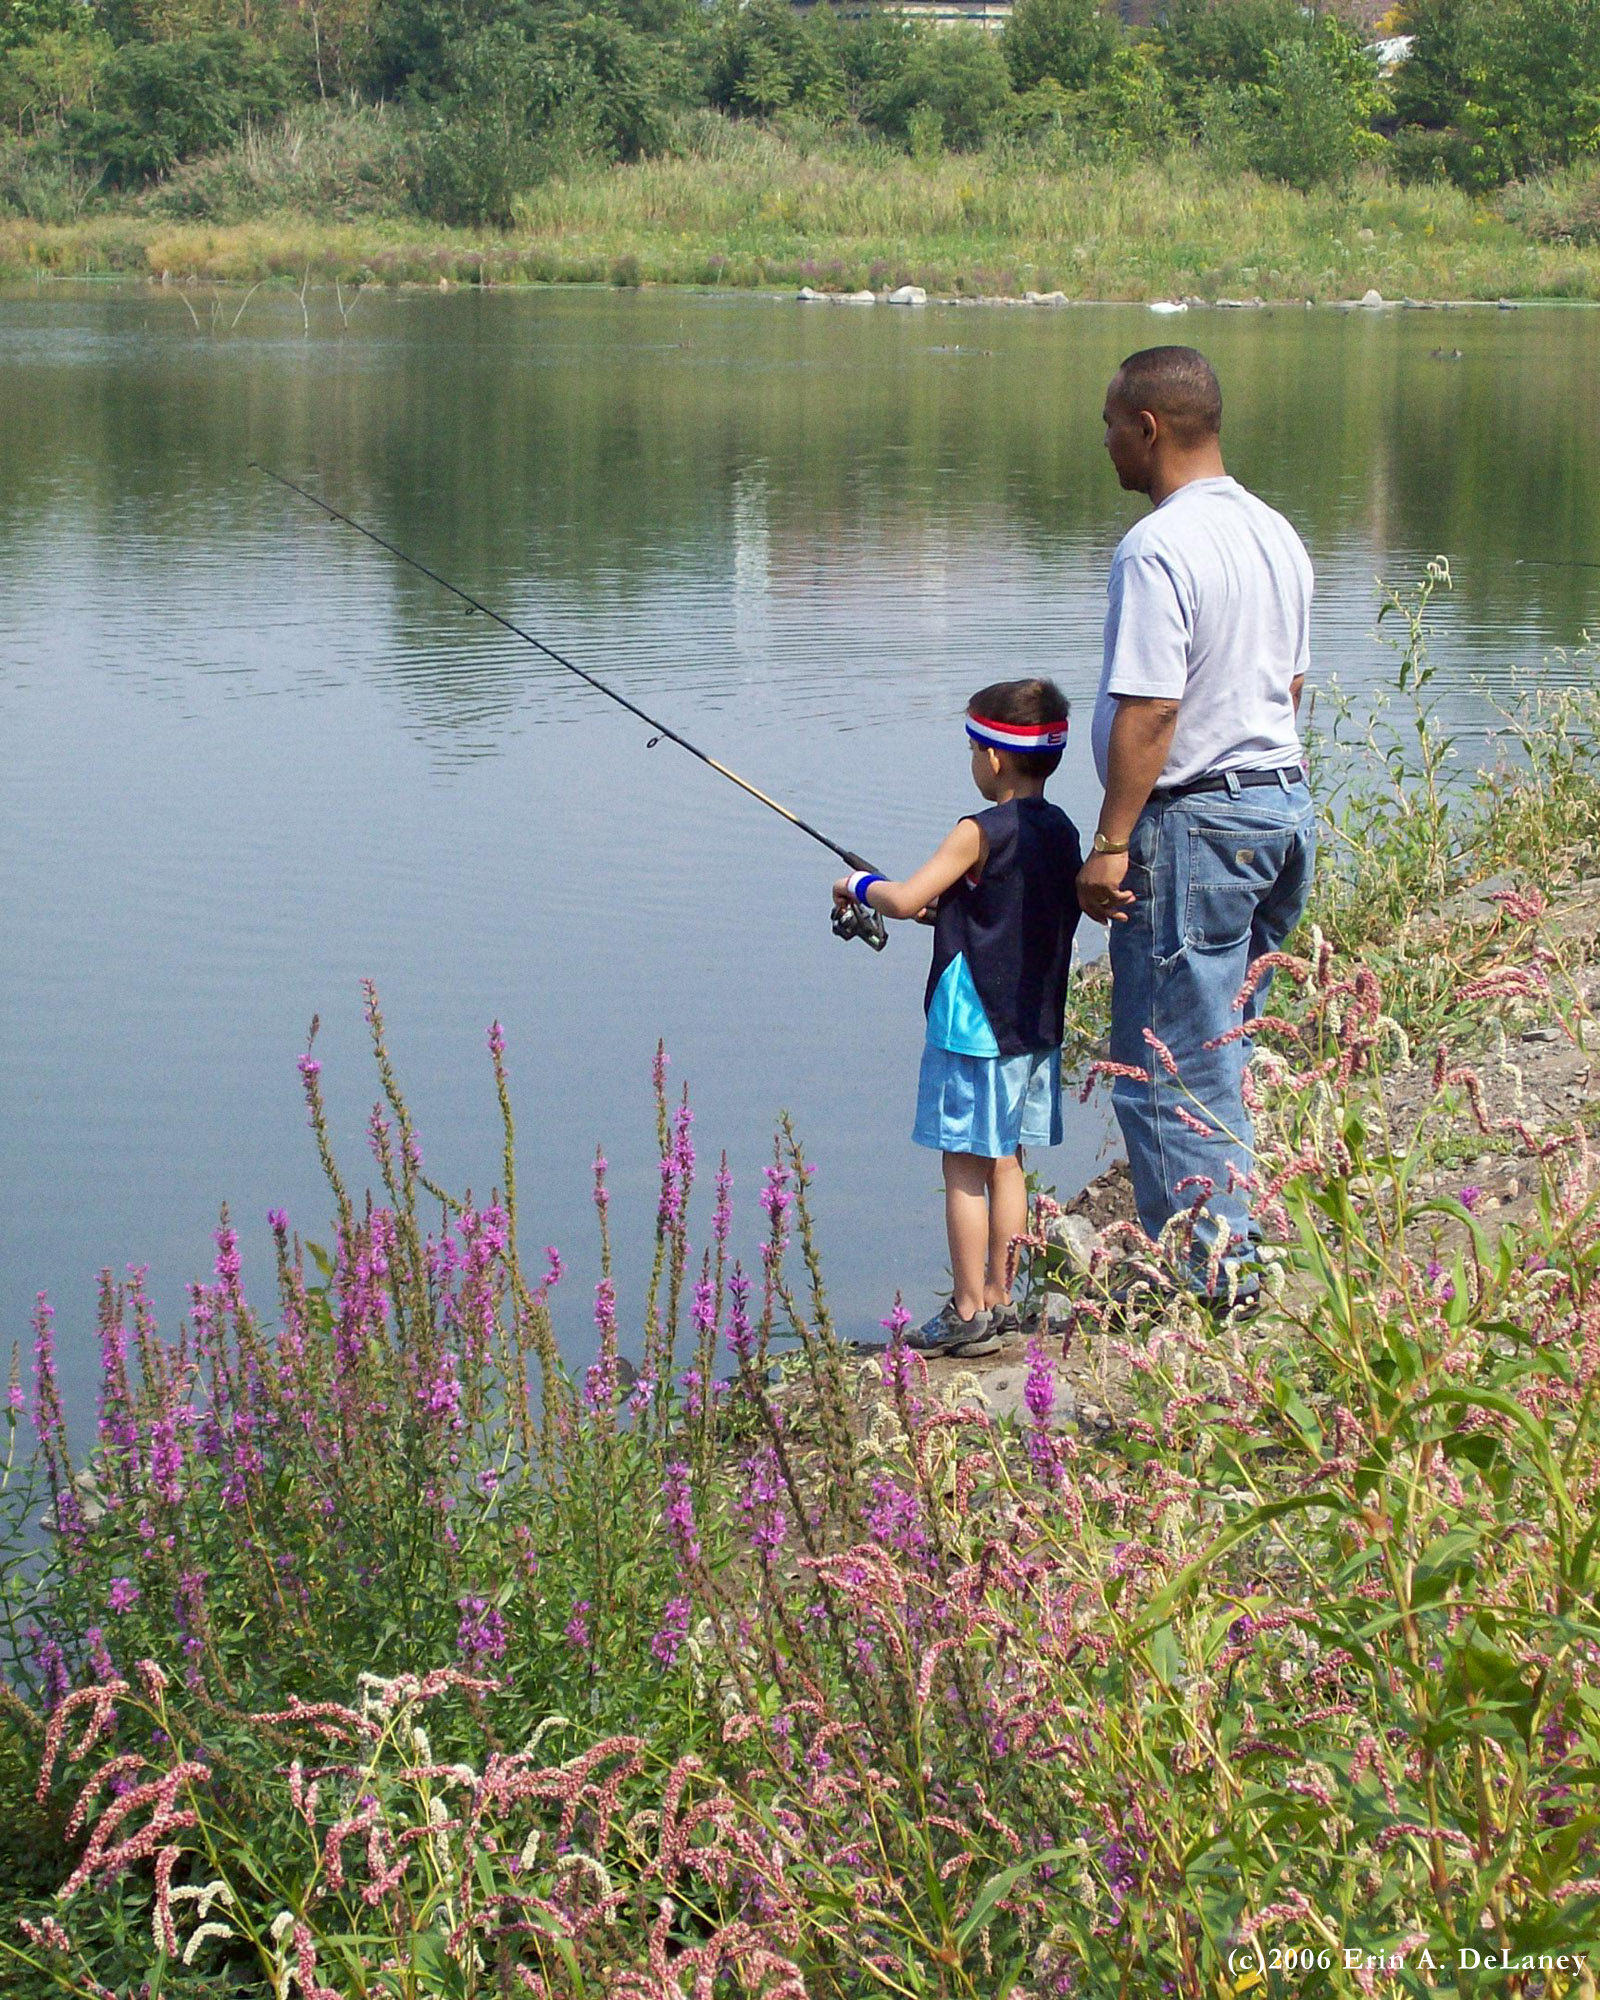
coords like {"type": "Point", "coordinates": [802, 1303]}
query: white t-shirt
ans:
{"type": "Point", "coordinates": [1209, 605]}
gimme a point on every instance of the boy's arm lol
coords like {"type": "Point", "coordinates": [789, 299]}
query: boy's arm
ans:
{"type": "Point", "coordinates": [962, 850]}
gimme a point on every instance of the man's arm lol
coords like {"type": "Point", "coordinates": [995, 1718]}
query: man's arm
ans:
{"type": "Point", "coordinates": [1141, 736]}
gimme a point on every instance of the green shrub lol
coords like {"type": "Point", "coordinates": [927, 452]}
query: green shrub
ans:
{"type": "Point", "coordinates": [1557, 208]}
{"type": "Point", "coordinates": [335, 161]}
{"type": "Point", "coordinates": [162, 102]}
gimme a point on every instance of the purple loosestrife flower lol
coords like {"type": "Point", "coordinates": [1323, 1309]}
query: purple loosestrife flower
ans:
{"type": "Point", "coordinates": [554, 1268]}
{"type": "Point", "coordinates": [123, 1594]}
{"type": "Point", "coordinates": [898, 1319]}
{"type": "Point", "coordinates": [677, 1496]}
{"type": "Point", "coordinates": [1470, 1197]}
{"type": "Point", "coordinates": [497, 1041]}
{"type": "Point", "coordinates": [576, 1629]}
{"type": "Point", "coordinates": [441, 1396]}
{"type": "Point", "coordinates": [229, 1266]}
{"type": "Point", "coordinates": [761, 1504]}
{"type": "Point", "coordinates": [722, 1214]}
{"type": "Point", "coordinates": [53, 1671]}
{"type": "Point", "coordinates": [602, 1194]}
{"type": "Point", "coordinates": [741, 1335]}
{"type": "Point", "coordinates": [1040, 1391]}
{"type": "Point", "coordinates": [600, 1380]}
{"type": "Point", "coordinates": [776, 1194]}
{"type": "Point", "coordinates": [166, 1460]}
{"type": "Point", "coordinates": [481, 1634]}
{"type": "Point", "coordinates": [894, 1517]}
{"type": "Point", "coordinates": [668, 1641]}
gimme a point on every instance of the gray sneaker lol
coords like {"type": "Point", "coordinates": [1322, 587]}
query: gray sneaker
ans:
{"type": "Point", "coordinates": [948, 1333]}
{"type": "Point", "coordinates": [1005, 1322]}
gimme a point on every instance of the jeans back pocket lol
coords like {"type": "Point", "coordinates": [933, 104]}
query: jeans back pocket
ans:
{"type": "Point", "coordinates": [1229, 871]}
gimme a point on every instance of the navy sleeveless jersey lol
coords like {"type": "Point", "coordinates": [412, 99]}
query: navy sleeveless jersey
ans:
{"type": "Point", "coordinates": [1013, 932]}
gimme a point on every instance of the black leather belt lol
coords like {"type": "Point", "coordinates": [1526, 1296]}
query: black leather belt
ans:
{"type": "Point", "coordinates": [1217, 781]}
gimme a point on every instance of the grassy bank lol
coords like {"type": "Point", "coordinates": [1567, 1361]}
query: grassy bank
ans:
{"type": "Point", "coordinates": [382, 1658]}
{"type": "Point", "coordinates": [755, 209]}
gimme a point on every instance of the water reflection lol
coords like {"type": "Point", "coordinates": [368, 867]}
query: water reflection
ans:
{"type": "Point", "coordinates": [249, 758]}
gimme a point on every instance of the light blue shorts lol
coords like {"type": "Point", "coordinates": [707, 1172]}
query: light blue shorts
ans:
{"type": "Point", "coordinates": [988, 1105]}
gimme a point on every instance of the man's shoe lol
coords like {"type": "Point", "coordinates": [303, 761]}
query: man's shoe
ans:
{"type": "Point", "coordinates": [948, 1333]}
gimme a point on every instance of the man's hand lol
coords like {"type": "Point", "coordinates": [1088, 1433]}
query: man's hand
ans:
{"type": "Point", "coordinates": [841, 892]}
{"type": "Point", "coordinates": [1101, 895]}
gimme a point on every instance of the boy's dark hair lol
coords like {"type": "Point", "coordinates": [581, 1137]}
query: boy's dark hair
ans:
{"type": "Point", "coordinates": [1177, 383]}
{"type": "Point", "coordinates": [1035, 701]}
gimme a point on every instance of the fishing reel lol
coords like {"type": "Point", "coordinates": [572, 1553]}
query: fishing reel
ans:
{"type": "Point", "coordinates": [855, 920]}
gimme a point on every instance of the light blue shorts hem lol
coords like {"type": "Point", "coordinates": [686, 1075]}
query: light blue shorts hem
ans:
{"type": "Point", "coordinates": [988, 1105]}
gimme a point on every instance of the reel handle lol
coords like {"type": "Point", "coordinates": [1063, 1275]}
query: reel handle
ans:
{"type": "Point", "coordinates": [857, 920]}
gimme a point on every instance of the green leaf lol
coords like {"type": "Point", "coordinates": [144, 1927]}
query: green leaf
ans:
{"type": "Point", "coordinates": [1002, 1885]}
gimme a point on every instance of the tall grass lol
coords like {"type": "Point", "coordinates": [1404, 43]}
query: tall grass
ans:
{"type": "Point", "coordinates": [744, 205]}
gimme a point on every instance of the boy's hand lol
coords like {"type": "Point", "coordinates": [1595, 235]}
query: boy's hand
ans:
{"type": "Point", "coordinates": [1101, 895]}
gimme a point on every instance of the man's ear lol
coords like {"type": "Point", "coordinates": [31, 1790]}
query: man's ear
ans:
{"type": "Point", "coordinates": [1149, 426]}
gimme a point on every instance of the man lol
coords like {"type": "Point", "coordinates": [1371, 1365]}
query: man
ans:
{"type": "Point", "coordinates": [1203, 856]}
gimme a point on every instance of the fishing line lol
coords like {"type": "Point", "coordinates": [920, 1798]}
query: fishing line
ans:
{"type": "Point", "coordinates": [850, 859]}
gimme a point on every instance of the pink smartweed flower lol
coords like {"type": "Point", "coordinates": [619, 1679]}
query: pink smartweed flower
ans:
{"type": "Point", "coordinates": [1160, 1051]}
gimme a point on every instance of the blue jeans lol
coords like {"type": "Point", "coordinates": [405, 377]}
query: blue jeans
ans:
{"type": "Point", "coordinates": [1219, 880]}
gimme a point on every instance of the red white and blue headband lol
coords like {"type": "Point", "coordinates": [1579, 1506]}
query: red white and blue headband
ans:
{"type": "Point", "coordinates": [1017, 735]}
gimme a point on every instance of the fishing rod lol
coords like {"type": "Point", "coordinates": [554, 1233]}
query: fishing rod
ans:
{"type": "Point", "coordinates": [854, 920]}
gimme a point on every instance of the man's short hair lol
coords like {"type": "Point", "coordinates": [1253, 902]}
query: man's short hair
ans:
{"type": "Point", "coordinates": [1177, 384]}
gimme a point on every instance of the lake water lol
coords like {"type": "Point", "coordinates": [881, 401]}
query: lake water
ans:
{"type": "Point", "coordinates": [249, 759]}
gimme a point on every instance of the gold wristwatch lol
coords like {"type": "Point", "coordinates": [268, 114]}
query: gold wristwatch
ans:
{"type": "Point", "coordinates": [1101, 845]}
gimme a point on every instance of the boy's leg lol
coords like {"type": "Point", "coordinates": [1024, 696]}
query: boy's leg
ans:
{"type": "Point", "coordinates": [966, 1219]}
{"type": "Point", "coordinates": [1008, 1219]}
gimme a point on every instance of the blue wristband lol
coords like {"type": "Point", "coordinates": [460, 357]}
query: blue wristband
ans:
{"type": "Point", "coordinates": [859, 884]}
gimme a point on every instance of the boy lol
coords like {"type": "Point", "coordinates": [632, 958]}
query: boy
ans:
{"type": "Point", "coordinates": [1000, 891]}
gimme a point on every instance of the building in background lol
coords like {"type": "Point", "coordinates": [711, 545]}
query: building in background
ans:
{"type": "Point", "coordinates": [995, 13]}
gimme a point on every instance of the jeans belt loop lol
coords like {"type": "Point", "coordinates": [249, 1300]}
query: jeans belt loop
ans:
{"type": "Point", "coordinates": [1230, 779]}
{"type": "Point", "coordinates": [1283, 779]}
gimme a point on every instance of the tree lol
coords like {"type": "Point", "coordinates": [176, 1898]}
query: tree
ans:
{"type": "Point", "coordinates": [1494, 89]}
{"type": "Point", "coordinates": [957, 74]}
{"type": "Point", "coordinates": [765, 58]}
{"type": "Point", "coordinates": [1071, 40]}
